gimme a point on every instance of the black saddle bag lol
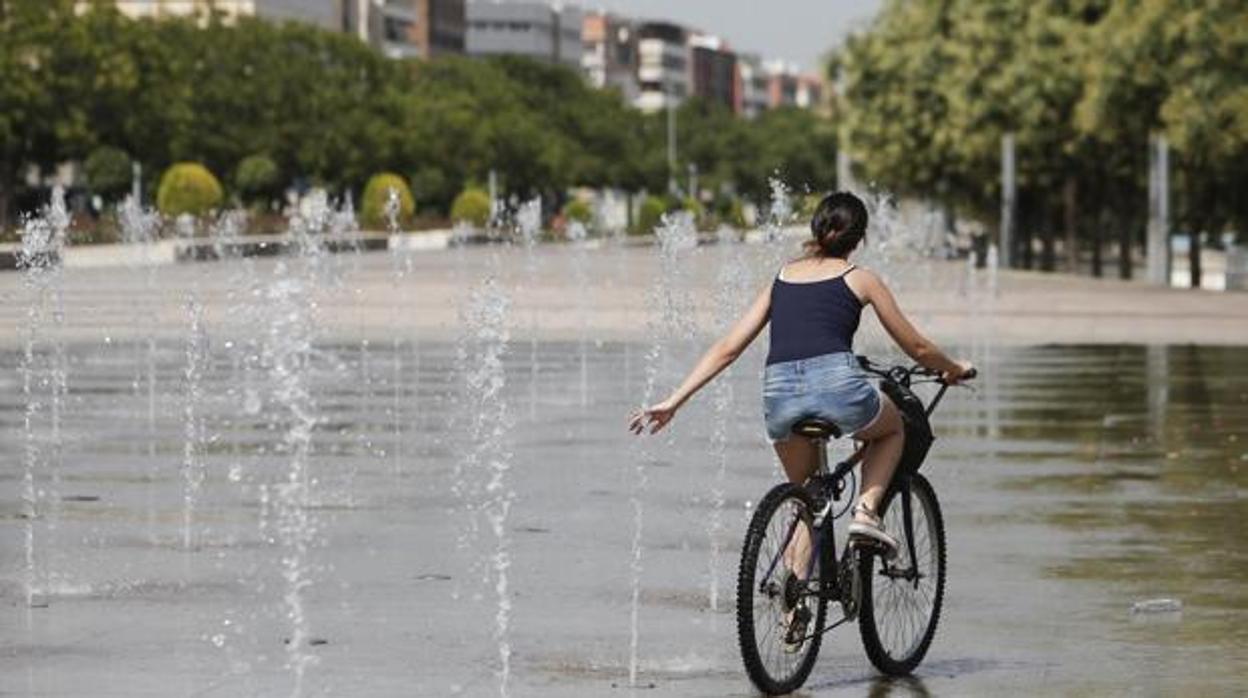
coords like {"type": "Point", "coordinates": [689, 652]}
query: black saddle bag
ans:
{"type": "Point", "coordinates": [918, 429]}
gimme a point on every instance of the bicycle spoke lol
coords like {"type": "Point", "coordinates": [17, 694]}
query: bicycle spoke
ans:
{"type": "Point", "coordinates": [903, 608]}
{"type": "Point", "coordinates": [784, 555]}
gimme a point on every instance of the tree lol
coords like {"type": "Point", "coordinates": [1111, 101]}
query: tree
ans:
{"type": "Point", "coordinates": [30, 117]}
{"type": "Point", "coordinates": [108, 171]}
{"type": "Point", "coordinates": [1178, 69]}
{"type": "Point", "coordinates": [797, 144]}
{"type": "Point", "coordinates": [258, 179]}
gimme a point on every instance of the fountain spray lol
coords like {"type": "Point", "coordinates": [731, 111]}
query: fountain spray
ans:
{"type": "Point", "coordinates": [43, 376]}
{"type": "Point", "coordinates": [677, 236]}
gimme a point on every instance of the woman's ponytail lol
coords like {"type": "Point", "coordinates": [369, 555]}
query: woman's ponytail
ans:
{"type": "Point", "coordinates": [838, 226]}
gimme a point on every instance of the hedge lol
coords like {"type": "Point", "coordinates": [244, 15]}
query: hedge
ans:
{"type": "Point", "coordinates": [377, 195]}
{"type": "Point", "coordinates": [471, 206]}
{"type": "Point", "coordinates": [188, 187]}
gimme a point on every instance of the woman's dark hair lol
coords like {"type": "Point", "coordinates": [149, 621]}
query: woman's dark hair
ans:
{"type": "Point", "coordinates": [839, 224]}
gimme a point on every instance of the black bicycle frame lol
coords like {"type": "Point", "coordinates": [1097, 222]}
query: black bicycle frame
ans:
{"type": "Point", "coordinates": [824, 532]}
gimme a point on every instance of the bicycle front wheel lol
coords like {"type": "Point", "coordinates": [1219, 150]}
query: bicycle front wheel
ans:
{"type": "Point", "coordinates": [780, 611]}
{"type": "Point", "coordinates": [901, 599]}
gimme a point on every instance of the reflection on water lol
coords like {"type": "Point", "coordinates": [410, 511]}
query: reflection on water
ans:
{"type": "Point", "coordinates": [1141, 453]}
{"type": "Point", "coordinates": [1076, 482]}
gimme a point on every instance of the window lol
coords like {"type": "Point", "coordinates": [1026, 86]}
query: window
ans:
{"type": "Point", "coordinates": [396, 30]}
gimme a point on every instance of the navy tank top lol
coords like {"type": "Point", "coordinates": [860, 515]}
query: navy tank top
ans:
{"type": "Point", "coordinates": [812, 318]}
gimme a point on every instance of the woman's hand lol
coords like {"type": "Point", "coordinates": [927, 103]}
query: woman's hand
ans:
{"type": "Point", "coordinates": [953, 378]}
{"type": "Point", "coordinates": [656, 417]}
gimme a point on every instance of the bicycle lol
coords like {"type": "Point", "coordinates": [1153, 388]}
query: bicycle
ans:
{"type": "Point", "coordinates": [898, 608]}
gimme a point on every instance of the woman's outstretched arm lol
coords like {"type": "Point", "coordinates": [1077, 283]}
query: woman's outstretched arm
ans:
{"type": "Point", "coordinates": [721, 354]}
{"type": "Point", "coordinates": [911, 341]}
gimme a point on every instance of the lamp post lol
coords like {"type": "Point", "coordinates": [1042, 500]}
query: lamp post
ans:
{"type": "Point", "coordinates": [669, 98]}
{"type": "Point", "coordinates": [1158, 235]}
{"type": "Point", "coordinates": [1009, 202]}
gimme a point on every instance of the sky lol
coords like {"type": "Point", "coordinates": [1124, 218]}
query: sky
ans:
{"type": "Point", "coordinates": [799, 31]}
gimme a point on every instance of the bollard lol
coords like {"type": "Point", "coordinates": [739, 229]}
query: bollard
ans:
{"type": "Point", "coordinates": [1237, 269]}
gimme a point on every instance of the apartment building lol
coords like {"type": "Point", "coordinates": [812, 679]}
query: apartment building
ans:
{"type": "Point", "coordinates": [713, 70]}
{"type": "Point", "coordinates": [609, 57]}
{"type": "Point", "coordinates": [324, 13]}
{"type": "Point", "coordinates": [410, 28]}
{"type": "Point", "coordinates": [544, 31]}
{"type": "Point", "coordinates": [789, 87]}
{"type": "Point", "coordinates": [441, 29]}
{"type": "Point", "coordinates": [810, 92]}
{"type": "Point", "coordinates": [663, 65]}
{"type": "Point", "coordinates": [399, 28]}
{"type": "Point", "coordinates": [753, 86]}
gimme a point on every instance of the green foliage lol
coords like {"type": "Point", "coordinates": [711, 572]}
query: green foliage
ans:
{"type": "Point", "coordinates": [108, 171]}
{"type": "Point", "coordinates": [326, 108]}
{"type": "Point", "coordinates": [471, 206]}
{"type": "Point", "coordinates": [930, 89]}
{"type": "Point", "coordinates": [650, 215]}
{"type": "Point", "coordinates": [431, 187]}
{"type": "Point", "coordinates": [694, 207]}
{"type": "Point", "coordinates": [188, 187]}
{"type": "Point", "coordinates": [732, 213]}
{"type": "Point", "coordinates": [580, 211]}
{"type": "Point", "coordinates": [806, 205]}
{"type": "Point", "coordinates": [377, 196]}
{"type": "Point", "coordinates": [257, 179]}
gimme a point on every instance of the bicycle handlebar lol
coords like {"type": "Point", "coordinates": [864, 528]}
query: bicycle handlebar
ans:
{"type": "Point", "coordinates": [899, 370]}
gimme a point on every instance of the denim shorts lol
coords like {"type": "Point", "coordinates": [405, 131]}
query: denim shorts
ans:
{"type": "Point", "coordinates": [829, 386]}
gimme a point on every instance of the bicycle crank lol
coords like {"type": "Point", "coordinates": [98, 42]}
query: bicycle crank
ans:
{"type": "Point", "coordinates": [850, 582]}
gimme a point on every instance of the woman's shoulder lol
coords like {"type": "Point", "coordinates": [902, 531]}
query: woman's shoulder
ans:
{"type": "Point", "coordinates": [863, 281]}
{"type": "Point", "coordinates": [863, 273]}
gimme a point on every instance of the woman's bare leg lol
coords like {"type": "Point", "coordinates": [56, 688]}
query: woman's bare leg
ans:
{"type": "Point", "coordinates": [798, 457]}
{"type": "Point", "coordinates": [885, 439]}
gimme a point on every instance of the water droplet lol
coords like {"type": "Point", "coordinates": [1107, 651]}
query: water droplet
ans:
{"type": "Point", "coordinates": [251, 402]}
{"type": "Point", "coordinates": [1157, 606]}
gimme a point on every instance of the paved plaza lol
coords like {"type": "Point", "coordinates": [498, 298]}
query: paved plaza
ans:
{"type": "Point", "coordinates": [1098, 463]}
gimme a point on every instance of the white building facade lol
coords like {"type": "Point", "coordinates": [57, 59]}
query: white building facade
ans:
{"type": "Point", "coordinates": [663, 66]}
{"type": "Point", "coordinates": [543, 31]}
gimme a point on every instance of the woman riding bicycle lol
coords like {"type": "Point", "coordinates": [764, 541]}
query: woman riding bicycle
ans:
{"type": "Point", "coordinates": [814, 305]}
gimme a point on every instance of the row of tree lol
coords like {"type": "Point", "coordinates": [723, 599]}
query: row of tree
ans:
{"type": "Point", "coordinates": [248, 97]}
{"type": "Point", "coordinates": [930, 89]}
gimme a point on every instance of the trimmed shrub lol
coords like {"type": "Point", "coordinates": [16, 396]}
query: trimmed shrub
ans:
{"type": "Point", "coordinates": [695, 207]}
{"type": "Point", "coordinates": [806, 205]}
{"type": "Point", "coordinates": [108, 171]}
{"type": "Point", "coordinates": [652, 210]}
{"type": "Point", "coordinates": [188, 187]}
{"type": "Point", "coordinates": [579, 211]}
{"type": "Point", "coordinates": [377, 193]}
{"type": "Point", "coordinates": [257, 179]}
{"type": "Point", "coordinates": [471, 206]}
{"type": "Point", "coordinates": [732, 212]}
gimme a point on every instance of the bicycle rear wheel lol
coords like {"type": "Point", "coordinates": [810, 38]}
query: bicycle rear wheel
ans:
{"type": "Point", "coordinates": [901, 600]}
{"type": "Point", "coordinates": [773, 592]}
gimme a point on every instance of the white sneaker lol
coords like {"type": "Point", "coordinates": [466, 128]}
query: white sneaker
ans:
{"type": "Point", "coordinates": [866, 524]}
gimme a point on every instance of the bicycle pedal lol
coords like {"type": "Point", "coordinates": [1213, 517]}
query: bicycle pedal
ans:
{"type": "Point", "coordinates": [873, 546]}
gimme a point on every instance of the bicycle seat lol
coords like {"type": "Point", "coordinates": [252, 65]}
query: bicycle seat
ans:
{"type": "Point", "coordinates": [815, 428]}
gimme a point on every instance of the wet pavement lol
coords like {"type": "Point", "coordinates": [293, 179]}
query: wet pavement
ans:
{"type": "Point", "coordinates": [1075, 481]}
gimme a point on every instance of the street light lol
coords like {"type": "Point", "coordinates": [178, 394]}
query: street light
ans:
{"type": "Point", "coordinates": [669, 98]}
